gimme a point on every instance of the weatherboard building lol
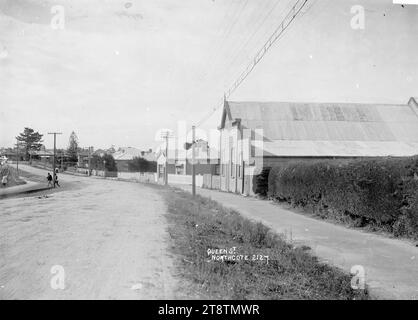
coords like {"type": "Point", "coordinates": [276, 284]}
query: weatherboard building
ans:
{"type": "Point", "coordinates": [257, 135]}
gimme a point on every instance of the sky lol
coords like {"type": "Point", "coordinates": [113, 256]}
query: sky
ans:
{"type": "Point", "coordinates": [120, 71]}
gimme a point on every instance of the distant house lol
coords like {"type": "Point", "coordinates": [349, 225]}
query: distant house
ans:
{"type": "Point", "coordinates": [413, 102]}
{"type": "Point", "coordinates": [9, 153]}
{"type": "Point", "coordinates": [3, 160]}
{"type": "Point", "coordinates": [83, 157]}
{"type": "Point", "coordinates": [126, 154]}
{"type": "Point", "coordinates": [42, 153]}
{"type": "Point", "coordinates": [179, 161]}
{"type": "Point", "coordinates": [256, 135]}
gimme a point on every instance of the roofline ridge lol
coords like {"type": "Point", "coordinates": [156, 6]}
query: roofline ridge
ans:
{"type": "Point", "coordinates": [319, 103]}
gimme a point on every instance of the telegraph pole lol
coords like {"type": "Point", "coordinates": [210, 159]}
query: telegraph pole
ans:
{"type": "Point", "coordinates": [90, 148]}
{"type": "Point", "coordinates": [165, 135]}
{"type": "Point", "coordinates": [166, 160]}
{"type": "Point", "coordinates": [17, 156]}
{"type": "Point", "coordinates": [193, 162]}
{"type": "Point", "coordinates": [55, 150]}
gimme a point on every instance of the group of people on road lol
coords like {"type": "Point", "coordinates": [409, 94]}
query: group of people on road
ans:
{"type": "Point", "coordinates": [49, 179]}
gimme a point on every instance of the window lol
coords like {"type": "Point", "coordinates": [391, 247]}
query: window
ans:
{"type": "Point", "coordinates": [161, 171]}
{"type": "Point", "coordinates": [217, 169]}
{"type": "Point", "coordinates": [179, 168]}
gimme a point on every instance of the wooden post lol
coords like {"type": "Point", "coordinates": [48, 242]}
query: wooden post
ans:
{"type": "Point", "coordinates": [166, 160]}
{"type": "Point", "coordinates": [193, 162]}
{"type": "Point", "coordinates": [17, 157]}
{"type": "Point", "coordinates": [55, 150]}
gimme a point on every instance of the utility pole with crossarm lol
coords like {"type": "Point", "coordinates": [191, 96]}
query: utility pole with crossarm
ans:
{"type": "Point", "coordinates": [55, 150]}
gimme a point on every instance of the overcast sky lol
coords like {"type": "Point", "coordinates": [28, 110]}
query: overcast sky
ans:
{"type": "Point", "coordinates": [121, 70]}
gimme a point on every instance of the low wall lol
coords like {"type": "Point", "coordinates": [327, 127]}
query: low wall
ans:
{"type": "Point", "coordinates": [101, 173]}
{"type": "Point", "coordinates": [216, 182]}
{"type": "Point", "coordinates": [83, 171]}
{"type": "Point", "coordinates": [138, 176]}
{"type": "Point", "coordinates": [40, 164]}
{"type": "Point", "coordinates": [184, 179]}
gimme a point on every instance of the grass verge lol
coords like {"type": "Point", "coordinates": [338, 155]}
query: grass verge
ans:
{"type": "Point", "coordinates": [13, 178]}
{"type": "Point", "coordinates": [198, 224]}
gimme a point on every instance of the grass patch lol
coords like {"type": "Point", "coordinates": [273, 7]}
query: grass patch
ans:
{"type": "Point", "coordinates": [13, 178]}
{"type": "Point", "coordinates": [199, 224]}
{"type": "Point", "coordinates": [33, 177]}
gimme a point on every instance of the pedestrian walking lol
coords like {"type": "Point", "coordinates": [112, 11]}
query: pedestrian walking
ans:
{"type": "Point", "coordinates": [49, 178]}
{"type": "Point", "coordinates": [56, 180]}
{"type": "Point", "coordinates": [4, 181]}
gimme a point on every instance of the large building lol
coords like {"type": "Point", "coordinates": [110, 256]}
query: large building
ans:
{"type": "Point", "coordinates": [256, 135]}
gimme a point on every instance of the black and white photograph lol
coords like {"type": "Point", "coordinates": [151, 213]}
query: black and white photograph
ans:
{"type": "Point", "coordinates": [222, 152]}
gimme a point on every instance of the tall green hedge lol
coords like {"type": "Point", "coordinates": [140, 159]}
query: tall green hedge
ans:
{"type": "Point", "coordinates": [382, 191]}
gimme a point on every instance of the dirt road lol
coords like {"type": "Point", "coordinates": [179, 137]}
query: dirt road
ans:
{"type": "Point", "coordinates": [104, 240]}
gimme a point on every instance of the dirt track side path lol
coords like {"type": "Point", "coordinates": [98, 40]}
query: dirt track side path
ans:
{"type": "Point", "coordinates": [109, 237]}
{"type": "Point", "coordinates": [390, 265]}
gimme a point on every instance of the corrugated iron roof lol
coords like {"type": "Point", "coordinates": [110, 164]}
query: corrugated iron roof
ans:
{"type": "Point", "coordinates": [330, 129]}
{"type": "Point", "coordinates": [293, 111]}
{"type": "Point", "coordinates": [292, 148]}
{"type": "Point", "coordinates": [129, 153]}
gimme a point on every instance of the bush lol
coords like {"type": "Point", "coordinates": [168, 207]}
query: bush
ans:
{"type": "Point", "coordinates": [13, 178]}
{"type": "Point", "coordinates": [260, 182]}
{"type": "Point", "coordinates": [100, 162]}
{"type": "Point", "coordinates": [142, 165]}
{"type": "Point", "coordinates": [370, 191]}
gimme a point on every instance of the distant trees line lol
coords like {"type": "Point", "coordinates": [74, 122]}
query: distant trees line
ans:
{"type": "Point", "coordinates": [107, 161]}
{"type": "Point", "coordinates": [30, 140]}
{"type": "Point", "coordinates": [103, 162]}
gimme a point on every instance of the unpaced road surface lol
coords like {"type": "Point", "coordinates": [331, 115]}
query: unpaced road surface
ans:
{"type": "Point", "coordinates": [105, 240]}
{"type": "Point", "coordinates": [390, 265]}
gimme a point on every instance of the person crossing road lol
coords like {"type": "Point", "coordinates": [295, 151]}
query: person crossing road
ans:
{"type": "Point", "coordinates": [49, 178]}
{"type": "Point", "coordinates": [56, 180]}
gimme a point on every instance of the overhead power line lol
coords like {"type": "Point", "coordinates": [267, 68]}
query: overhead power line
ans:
{"type": "Point", "coordinates": [261, 53]}
{"type": "Point", "coordinates": [294, 11]}
{"type": "Point", "coordinates": [231, 20]}
{"type": "Point", "coordinates": [244, 45]}
{"type": "Point", "coordinates": [228, 31]}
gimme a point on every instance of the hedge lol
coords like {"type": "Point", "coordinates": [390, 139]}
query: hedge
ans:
{"type": "Point", "coordinates": [381, 192]}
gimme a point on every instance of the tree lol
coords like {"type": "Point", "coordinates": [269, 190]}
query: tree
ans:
{"type": "Point", "coordinates": [96, 162]}
{"type": "Point", "coordinates": [106, 161]}
{"type": "Point", "coordinates": [31, 140]}
{"type": "Point", "coordinates": [142, 165]}
{"type": "Point", "coordinates": [110, 163]}
{"type": "Point", "coordinates": [72, 149]}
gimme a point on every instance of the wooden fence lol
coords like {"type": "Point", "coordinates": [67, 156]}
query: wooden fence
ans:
{"type": "Point", "coordinates": [211, 182]}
